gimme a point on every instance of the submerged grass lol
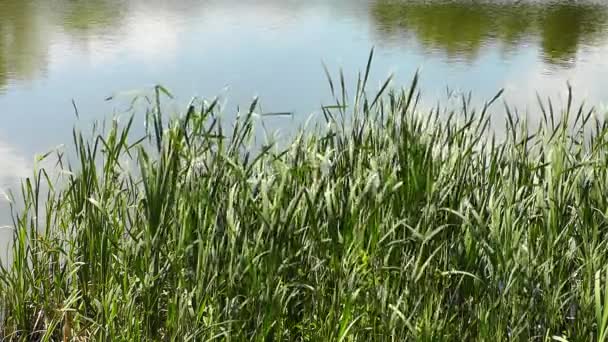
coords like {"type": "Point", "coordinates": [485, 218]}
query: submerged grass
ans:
{"type": "Point", "coordinates": [383, 225]}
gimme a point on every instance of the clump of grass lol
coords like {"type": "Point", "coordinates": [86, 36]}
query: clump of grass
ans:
{"type": "Point", "coordinates": [384, 224]}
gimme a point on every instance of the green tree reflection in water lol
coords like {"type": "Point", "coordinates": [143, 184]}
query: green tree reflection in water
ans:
{"type": "Point", "coordinates": [462, 28]}
{"type": "Point", "coordinates": [26, 27]}
{"type": "Point", "coordinates": [87, 18]}
{"type": "Point", "coordinates": [565, 27]}
{"type": "Point", "coordinates": [23, 47]}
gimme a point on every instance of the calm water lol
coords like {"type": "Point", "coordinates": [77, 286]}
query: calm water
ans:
{"type": "Point", "coordinates": [53, 51]}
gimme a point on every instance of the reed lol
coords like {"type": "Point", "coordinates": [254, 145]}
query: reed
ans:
{"type": "Point", "coordinates": [381, 223]}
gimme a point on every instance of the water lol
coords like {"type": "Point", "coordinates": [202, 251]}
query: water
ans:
{"type": "Point", "coordinates": [56, 51]}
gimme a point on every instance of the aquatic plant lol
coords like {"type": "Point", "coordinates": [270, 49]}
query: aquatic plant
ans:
{"type": "Point", "coordinates": [381, 223]}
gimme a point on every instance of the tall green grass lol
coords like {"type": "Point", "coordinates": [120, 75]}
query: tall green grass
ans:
{"type": "Point", "coordinates": [383, 223]}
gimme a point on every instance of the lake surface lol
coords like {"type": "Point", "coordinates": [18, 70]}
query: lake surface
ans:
{"type": "Point", "coordinates": [54, 51]}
